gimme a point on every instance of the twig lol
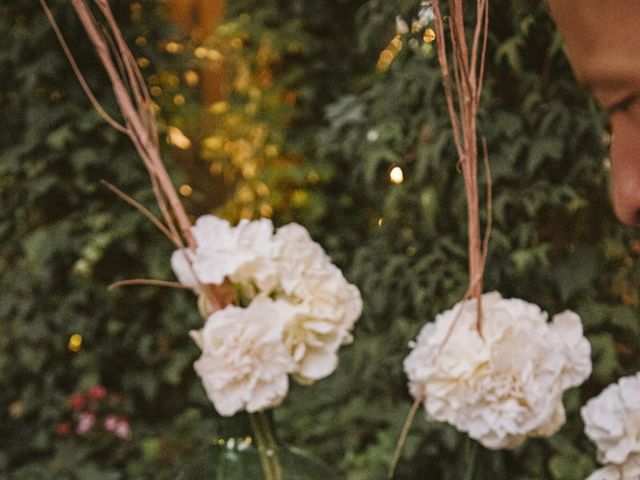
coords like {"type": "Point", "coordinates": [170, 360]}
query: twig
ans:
{"type": "Point", "coordinates": [76, 70]}
{"type": "Point", "coordinates": [140, 125]}
{"type": "Point", "coordinates": [403, 438]}
{"type": "Point", "coordinates": [147, 281]}
{"type": "Point", "coordinates": [142, 209]}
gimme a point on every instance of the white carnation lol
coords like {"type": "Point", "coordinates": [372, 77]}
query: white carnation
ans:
{"type": "Point", "coordinates": [287, 266]}
{"type": "Point", "coordinates": [244, 363]}
{"type": "Point", "coordinates": [181, 263]}
{"type": "Point", "coordinates": [240, 254]}
{"type": "Point", "coordinates": [629, 470]}
{"type": "Point", "coordinates": [612, 421]}
{"type": "Point", "coordinates": [327, 305]}
{"type": "Point", "coordinates": [507, 384]}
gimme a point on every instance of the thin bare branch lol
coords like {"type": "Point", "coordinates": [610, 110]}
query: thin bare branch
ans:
{"type": "Point", "coordinates": [489, 226]}
{"type": "Point", "coordinates": [147, 282]}
{"type": "Point", "coordinates": [78, 73]}
{"type": "Point", "coordinates": [403, 438]}
{"type": "Point", "coordinates": [142, 209]}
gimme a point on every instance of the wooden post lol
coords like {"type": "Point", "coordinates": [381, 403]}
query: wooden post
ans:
{"type": "Point", "coordinates": [199, 18]}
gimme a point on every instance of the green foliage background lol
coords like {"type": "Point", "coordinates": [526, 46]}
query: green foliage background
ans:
{"type": "Point", "coordinates": [63, 238]}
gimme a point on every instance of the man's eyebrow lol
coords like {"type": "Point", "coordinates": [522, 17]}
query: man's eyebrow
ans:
{"type": "Point", "coordinates": [623, 104]}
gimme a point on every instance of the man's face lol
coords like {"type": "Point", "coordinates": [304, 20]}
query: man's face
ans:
{"type": "Point", "coordinates": [625, 162]}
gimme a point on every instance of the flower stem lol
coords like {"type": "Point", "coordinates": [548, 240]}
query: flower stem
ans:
{"type": "Point", "coordinates": [267, 448]}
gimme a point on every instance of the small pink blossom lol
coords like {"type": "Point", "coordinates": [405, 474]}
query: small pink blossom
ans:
{"type": "Point", "coordinates": [118, 426]}
{"type": "Point", "coordinates": [86, 421]}
{"type": "Point", "coordinates": [122, 429]}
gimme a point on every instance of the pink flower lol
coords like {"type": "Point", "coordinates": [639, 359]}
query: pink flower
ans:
{"type": "Point", "coordinates": [97, 392]}
{"type": "Point", "coordinates": [111, 423]}
{"type": "Point", "coordinates": [122, 429]}
{"type": "Point", "coordinates": [77, 401]}
{"type": "Point", "coordinates": [118, 426]}
{"type": "Point", "coordinates": [86, 421]}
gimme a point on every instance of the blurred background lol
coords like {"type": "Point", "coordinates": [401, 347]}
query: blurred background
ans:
{"type": "Point", "coordinates": [311, 111]}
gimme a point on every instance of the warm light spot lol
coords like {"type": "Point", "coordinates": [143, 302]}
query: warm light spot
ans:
{"type": "Point", "coordinates": [191, 77]}
{"type": "Point", "coordinates": [155, 90]}
{"type": "Point", "coordinates": [216, 168]}
{"type": "Point", "coordinates": [179, 100]}
{"type": "Point", "coordinates": [177, 138]}
{"type": "Point", "coordinates": [247, 213]}
{"type": "Point", "coordinates": [266, 210]}
{"type": "Point", "coordinates": [143, 62]}
{"type": "Point", "coordinates": [214, 55]}
{"type": "Point", "coordinates": [386, 56]}
{"type": "Point", "coordinates": [16, 409]}
{"type": "Point", "coordinates": [219, 107]}
{"type": "Point", "coordinates": [248, 440]}
{"type": "Point", "coordinates": [429, 35]}
{"type": "Point", "coordinates": [313, 177]}
{"type": "Point", "coordinates": [396, 175]}
{"type": "Point", "coordinates": [185, 190]}
{"type": "Point", "coordinates": [75, 343]}
{"type": "Point", "coordinates": [200, 52]}
{"type": "Point", "coordinates": [249, 169]}
{"type": "Point", "coordinates": [141, 41]}
{"type": "Point", "coordinates": [236, 42]}
{"type": "Point", "coordinates": [174, 47]}
{"type": "Point", "coordinates": [213, 143]}
{"type": "Point", "coordinates": [299, 198]}
{"type": "Point", "coordinates": [244, 194]}
{"type": "Point", "coordinates": [271, 151]}
{"type": "Point", "coordinates": [262, 189]}
{"type": "Point", "coordinates": [380, 222]}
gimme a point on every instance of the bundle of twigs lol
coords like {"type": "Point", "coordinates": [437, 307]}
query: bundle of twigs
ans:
{"type": "Point", "coordinates": [462, 94]}
{"type": "Point", "coordinates": [463, 98]}
{"type": "Point", "coordinates": [139, 124]}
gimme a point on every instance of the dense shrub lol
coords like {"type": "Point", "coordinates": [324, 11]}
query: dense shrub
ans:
{"type": "Point", "coordinates": [64, 238]}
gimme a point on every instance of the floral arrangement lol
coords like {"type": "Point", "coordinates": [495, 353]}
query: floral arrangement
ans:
{"type": "Point", "coordinates": [95, 411]}
{"type": "Point", "coordinates": [612, 421]}
{"type": "Point", "coordinates": [494, 368]}
{"type": "Point", "coordinates": [506, 384]}
{"type": "Point", "coordinates": [298, 310]}
{"type": "Point", "coordinates": [274, 305]}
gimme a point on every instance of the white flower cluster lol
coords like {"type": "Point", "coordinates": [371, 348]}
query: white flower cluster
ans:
{"type": "Point", "coordinates": [425, 17]}
{"type": "Point", "coordinates": [507, 384]}
{"type": "Point", "coordinates": [300, 310]}
{"type": "Point", "coordinates": [612, 421]}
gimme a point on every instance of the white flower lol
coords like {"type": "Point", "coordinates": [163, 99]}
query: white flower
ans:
{"type": "Point", "coordinates": [327, 306]}
{"type": "Point", "coordinates": [629, 470]}
{"type": "Point", "coordinates": [181, 263]}
{"type": "Point", "coordinates": [288, 267]}
{"type": "Point", "coordinates": [507, 384]}
{"type": "Point", "coordinates": [612, 420]}
{"type": "Point", "coordinates": [235, 253]}
{"type": "Point", "coordinates": [402, 27]}
{"type": "Point", "coordinates": [244, 363]}
{"type": "Point", "coordinates": [425, 14]}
